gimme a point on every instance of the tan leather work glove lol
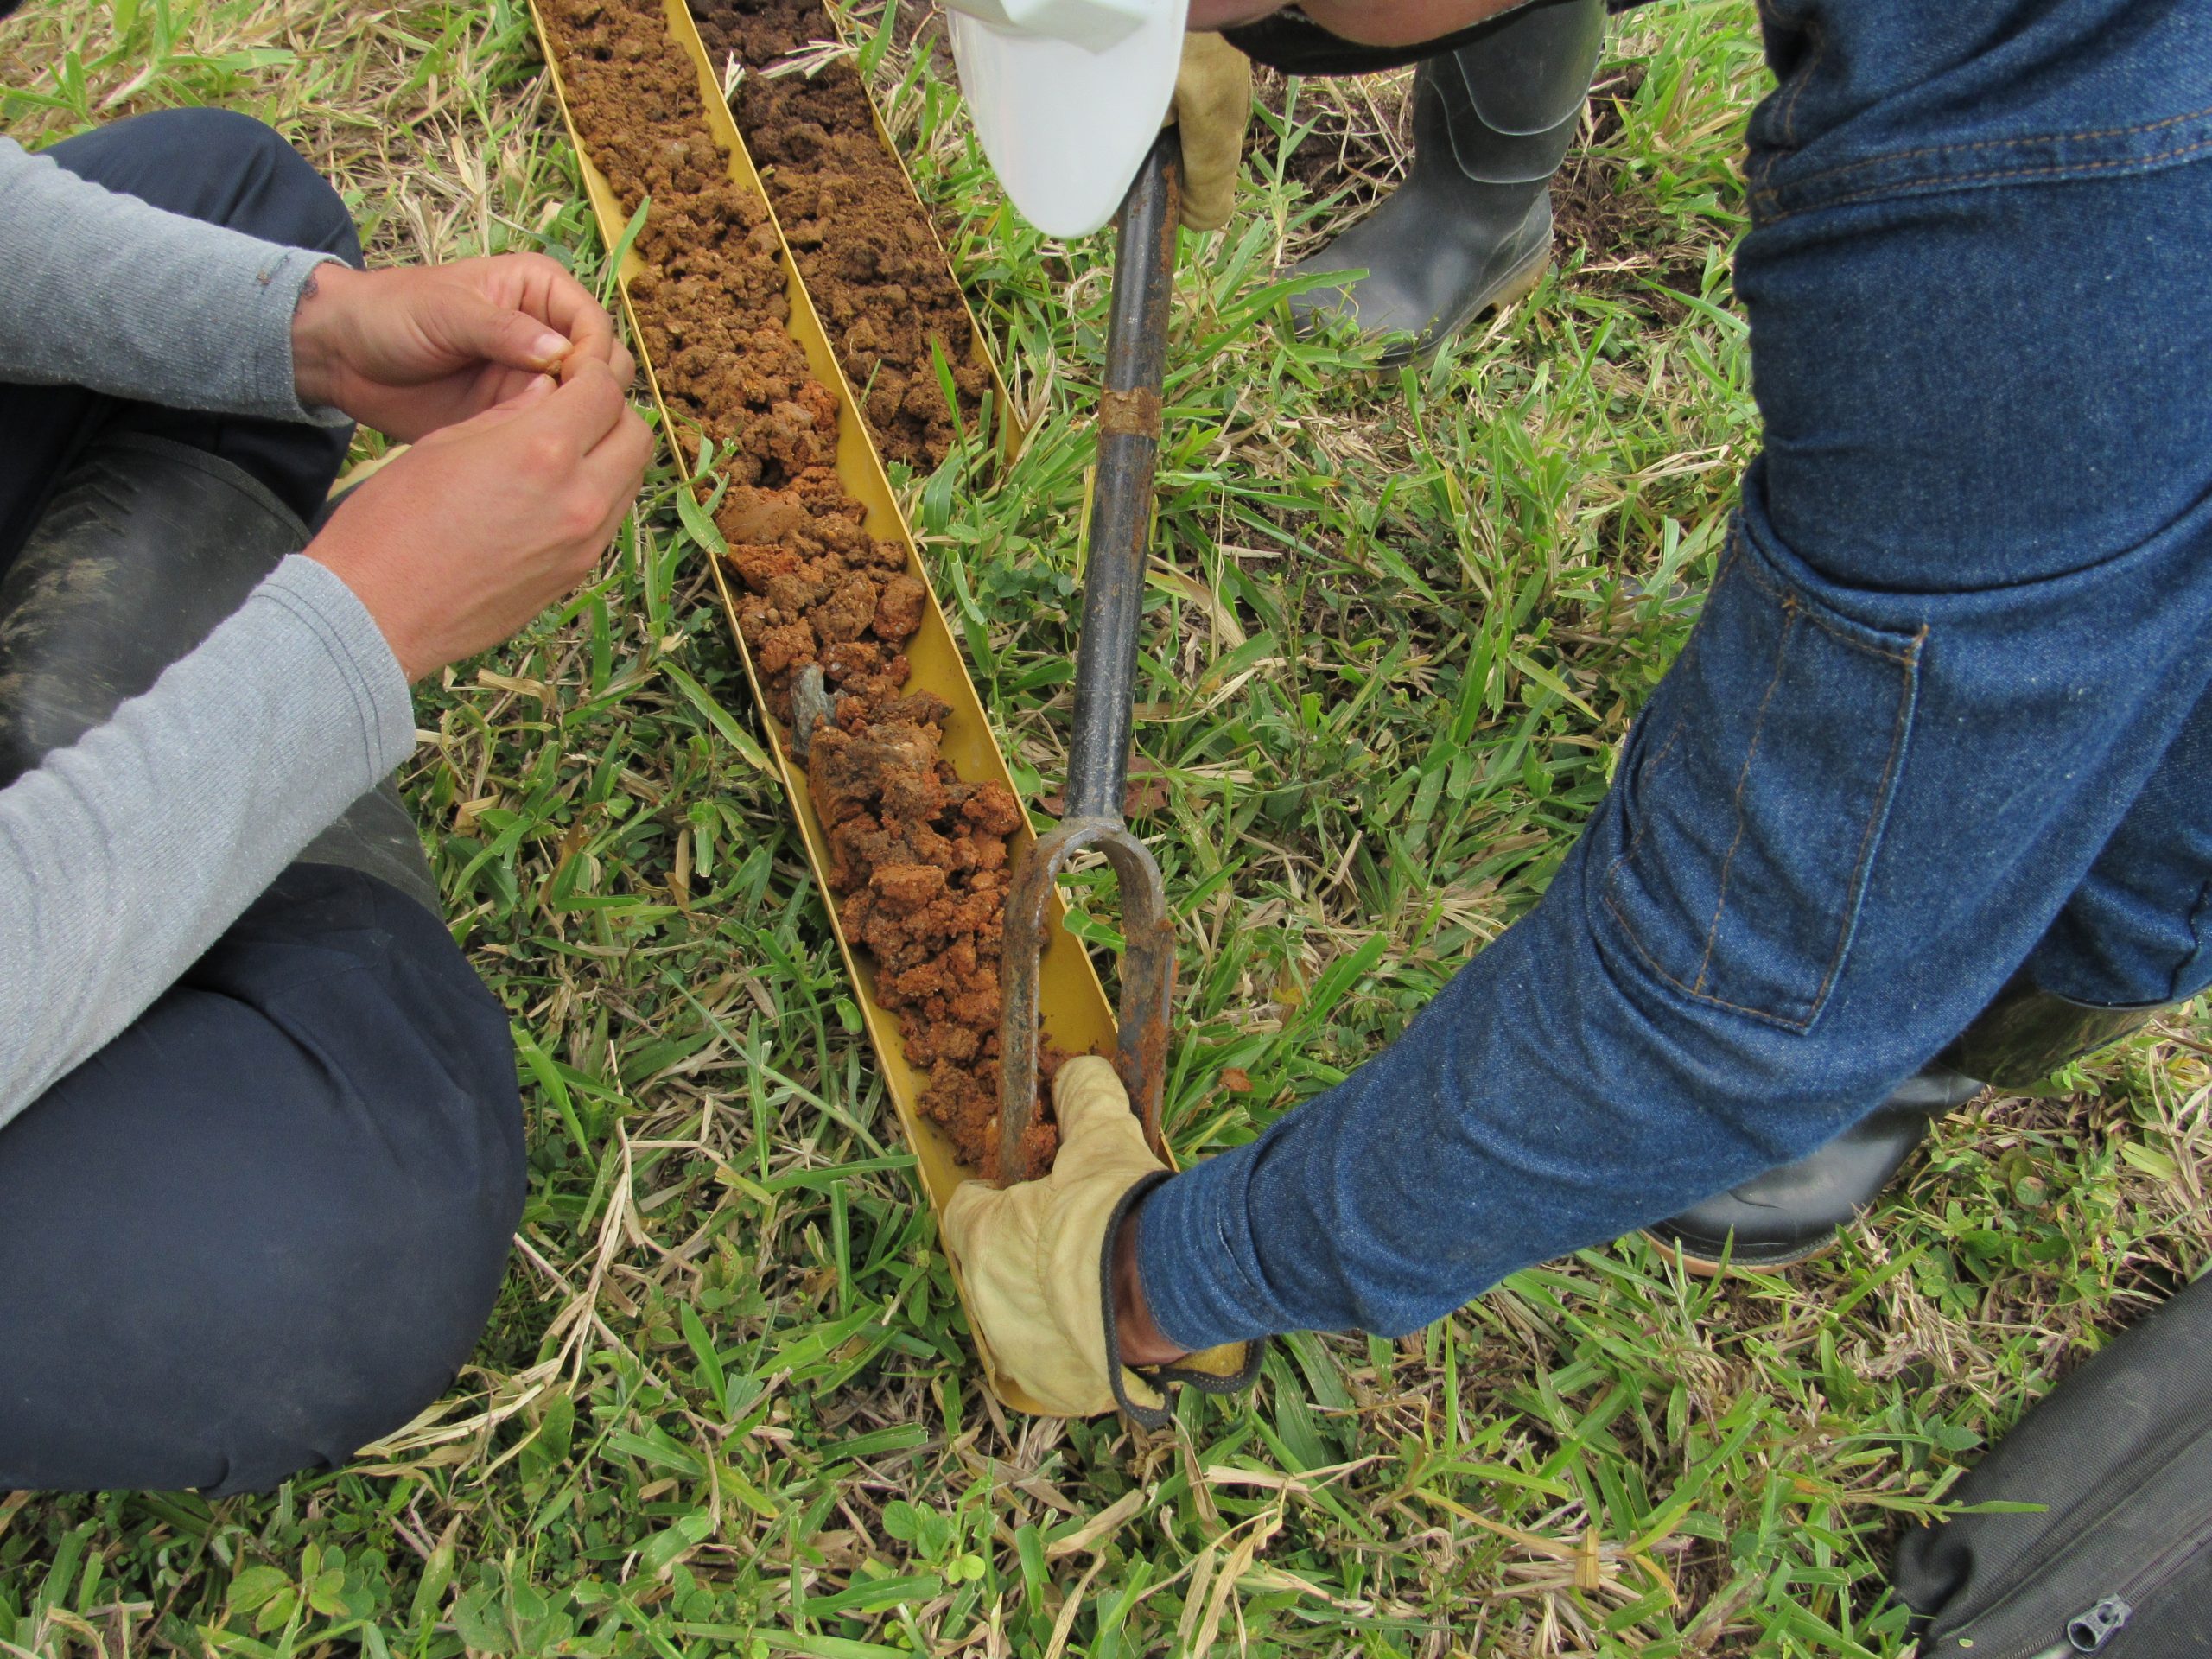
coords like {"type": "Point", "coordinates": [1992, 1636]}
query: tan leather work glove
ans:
{"type": "Point", "coordinates": [1034, 1257]}
{"type": "Point", "coordinates": [1213, 105]}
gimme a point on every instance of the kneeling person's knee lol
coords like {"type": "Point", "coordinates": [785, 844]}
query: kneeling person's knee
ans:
{"type": "Point", "coordinates": [378, 1278]}
{"type": "Point", "coordinates": [266, 1225]}
{"type": "Point", "coordinates": [369, 1314]}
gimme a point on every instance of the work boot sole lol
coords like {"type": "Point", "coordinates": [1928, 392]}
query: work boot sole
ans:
{"type": "Point", "coordinates": [1711, 1266]}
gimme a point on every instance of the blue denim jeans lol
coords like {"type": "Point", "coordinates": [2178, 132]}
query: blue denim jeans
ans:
{"type": "Point", "coordinates": [1945, 712]}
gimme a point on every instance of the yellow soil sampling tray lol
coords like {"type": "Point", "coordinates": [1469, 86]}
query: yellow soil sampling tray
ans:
{"type": "Point", "coordinates": [1076, 1014]}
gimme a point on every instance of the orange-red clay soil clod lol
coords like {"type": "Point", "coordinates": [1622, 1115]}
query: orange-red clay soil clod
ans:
{"type": "Point", "coordinates": [917, 853]}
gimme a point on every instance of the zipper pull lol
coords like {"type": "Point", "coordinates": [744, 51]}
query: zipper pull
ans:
{"type": "Point", "coordinates": [2089, 1631]}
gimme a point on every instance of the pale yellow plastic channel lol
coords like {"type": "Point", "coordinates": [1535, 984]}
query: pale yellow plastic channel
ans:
{"type": "Point", "coordinates": [1076, 1014]}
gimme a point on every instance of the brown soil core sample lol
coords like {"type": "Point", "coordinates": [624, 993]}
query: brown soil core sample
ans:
{"type": "Point", "coordinates": [917, 853]}
{"type": "Point", "coordinates": [862, 242]}
{"type": "Point", "coordinates": [922, 854]}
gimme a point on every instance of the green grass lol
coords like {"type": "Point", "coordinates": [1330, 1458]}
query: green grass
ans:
{"type": "Point", "coordinates": [1399, 625]}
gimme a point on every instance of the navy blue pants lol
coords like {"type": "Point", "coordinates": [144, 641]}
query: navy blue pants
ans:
{"type": "Point", "coordinates": [1948, 713]}
{"type": "Point", "coordinates": [265, 1225]}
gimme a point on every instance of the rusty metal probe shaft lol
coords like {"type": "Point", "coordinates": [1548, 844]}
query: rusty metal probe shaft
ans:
{"type": "Point", "coordinates": [1105, 684]}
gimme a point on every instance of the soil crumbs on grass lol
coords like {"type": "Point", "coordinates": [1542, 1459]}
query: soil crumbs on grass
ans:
{"type": "Point", "coordinates": [917, 853]}
{"type": "Point", "coordinates": [871, 262]}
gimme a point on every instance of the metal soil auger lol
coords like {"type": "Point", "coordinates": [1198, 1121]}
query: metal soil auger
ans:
{"type": "Point", "coordinates": [1105, 676]}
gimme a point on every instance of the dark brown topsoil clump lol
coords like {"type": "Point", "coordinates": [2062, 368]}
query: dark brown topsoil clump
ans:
{"type": "Point", "coordinates": [918, 855]}
{"type": "Point", "coordinates": [862, 243]}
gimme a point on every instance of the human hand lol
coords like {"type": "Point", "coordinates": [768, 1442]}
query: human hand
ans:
{"type": "Point", "coordinates": [1035, 1256]}
{"type": "Point", "coordinates": [1212, 107]}
{"type": "Point", "coordinates": [1032, 1254]}
{"type": "Point", "coordinates": [482, 524]}
{"type": "Point", "coordinates": [410, 351]}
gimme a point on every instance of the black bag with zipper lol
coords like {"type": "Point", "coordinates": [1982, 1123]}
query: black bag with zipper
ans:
{"type": "Point", "coordinates": [2118, 1560]}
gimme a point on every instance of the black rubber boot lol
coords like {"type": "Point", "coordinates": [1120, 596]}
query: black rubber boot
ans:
{"type": "Point", "coordinates": [146, 547]}
{"type": "Point", "coordinates": [2025, 1034]}
{"type": "Point", "coordinates": [1472, 226]}
{"type": "Point", "coordinates": [1789, 1214]}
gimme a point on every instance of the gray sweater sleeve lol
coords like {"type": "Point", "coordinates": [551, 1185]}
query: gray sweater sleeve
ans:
{"type": "Point", "coordinates": [100, 290]}
{"type": "Point", "coordinates": [123, 857]}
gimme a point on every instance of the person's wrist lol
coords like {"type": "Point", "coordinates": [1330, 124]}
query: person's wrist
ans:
{"type": "Point", "coordinates": [335, 554]}
{"type": "Point", "coordinates": [318, 331]}
{"type": "Point", "coordinates": [1138, 1337]}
